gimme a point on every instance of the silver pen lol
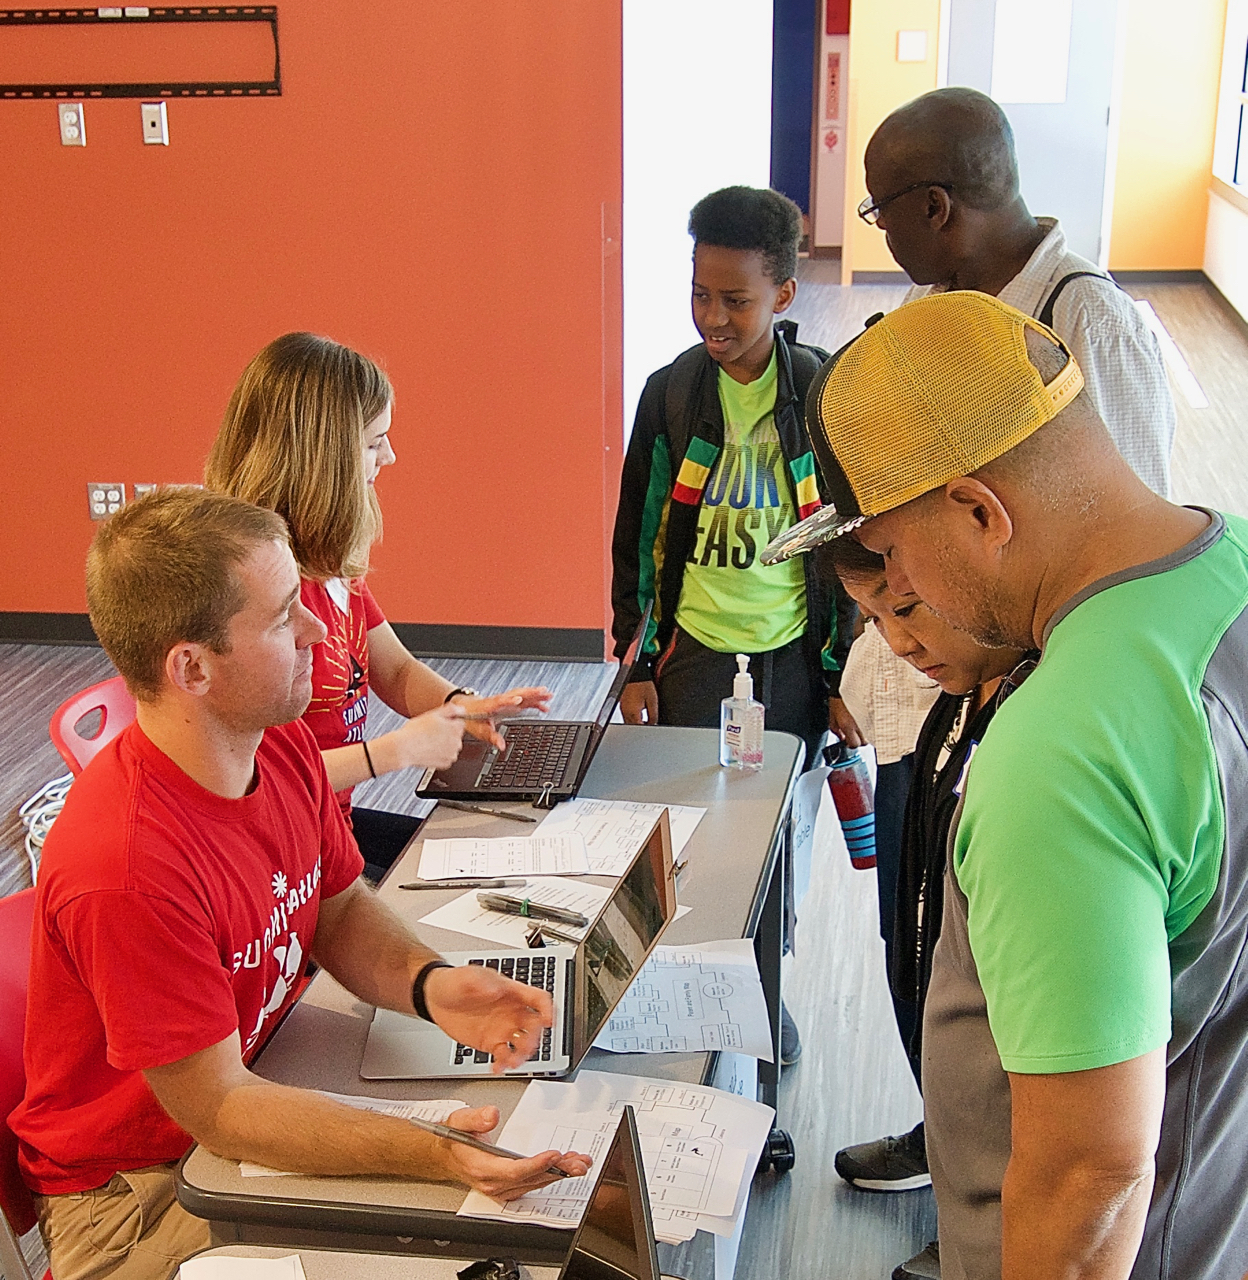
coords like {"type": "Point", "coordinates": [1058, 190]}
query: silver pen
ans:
{"type": "Point", "coordinates": [467, 1140]}
{"type": "Point", "coordinates": [463, 884]}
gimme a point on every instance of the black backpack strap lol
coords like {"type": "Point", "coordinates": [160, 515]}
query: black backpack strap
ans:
{"type": "Point", "coordinates": [679, 411]}
{"type": "Point", "coordinates": [1046, 312]}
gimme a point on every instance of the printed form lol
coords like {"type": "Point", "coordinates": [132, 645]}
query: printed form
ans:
{"type": "Point", "coordinates": [562, 854]}
{"type": "Point", "coordinates": [691, 999]}
{"type": "Point", "coordinates": [700, 1148]}
{"type": "Point", "coordinates": [614, 830]}
{"type": "Point", "coordinates": [289, 1268]}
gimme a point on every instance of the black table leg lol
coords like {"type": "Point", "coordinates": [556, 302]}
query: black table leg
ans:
{"type": "Point", "coordinates": [768, 947]}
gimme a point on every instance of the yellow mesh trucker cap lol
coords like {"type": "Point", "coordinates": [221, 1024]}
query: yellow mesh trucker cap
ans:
{"type": "Point", "coordinates": [932, 391]}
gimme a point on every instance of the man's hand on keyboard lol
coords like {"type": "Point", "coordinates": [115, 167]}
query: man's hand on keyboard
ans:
{"type": "Point", "coordinates": [479, 1007]}
{"type": "Point", "coordinates": [497, 1176]}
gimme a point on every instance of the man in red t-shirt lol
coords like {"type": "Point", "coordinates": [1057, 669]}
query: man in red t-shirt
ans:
{"type": "Point", "coordinates": [200, 860]}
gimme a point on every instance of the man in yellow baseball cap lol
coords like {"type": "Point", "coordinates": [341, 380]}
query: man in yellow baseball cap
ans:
{"type": "Point", "coordinates": [1085, 1059]}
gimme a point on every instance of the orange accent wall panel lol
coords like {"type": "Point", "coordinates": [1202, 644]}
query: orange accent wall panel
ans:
{"type": "Point", "coordinates": [439, 186]}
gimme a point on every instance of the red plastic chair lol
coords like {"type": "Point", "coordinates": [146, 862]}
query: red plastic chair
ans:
{"type": "Point", "coordinates": [18, 1216]}
{"type": "Point", "coordinates": [112, 700]}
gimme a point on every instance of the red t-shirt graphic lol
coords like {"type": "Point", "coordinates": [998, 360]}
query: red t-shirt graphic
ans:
{"type": "Point", "coordinates": [339, 705]}
{"type": "Point", "coordinates": [167, 917]}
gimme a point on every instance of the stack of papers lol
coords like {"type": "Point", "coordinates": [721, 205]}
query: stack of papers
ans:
{"type": "Point", "coordinates": [700, 1148]}
{"type": "Point", "coordinates": [690, 999]}
{"type": "Point", "coordinates": [289, 1268]}
{"type": "Point", "coordinates": [561, 854]}
{"type": "Point", "coordinates": [613, 830]}
{"type": "Point", "coordinates": [466, 915]}
{"type": "Point", "coordinates": [436, 1110]}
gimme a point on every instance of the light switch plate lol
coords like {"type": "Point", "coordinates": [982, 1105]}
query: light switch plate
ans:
{"type": "Point", "coordinates": [912, 46]}
{"type": "Point", "coordinates": [73, 121]}
{"type": "Point", "coordinates": [155, 123]}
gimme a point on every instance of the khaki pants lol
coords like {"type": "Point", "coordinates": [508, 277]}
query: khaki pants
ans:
{"type": "Point", "coordinates": [132, 1228]}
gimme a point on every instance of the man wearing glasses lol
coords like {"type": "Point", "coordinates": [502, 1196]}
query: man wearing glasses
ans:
{"type": "Point", "coordinates": [943, 178]}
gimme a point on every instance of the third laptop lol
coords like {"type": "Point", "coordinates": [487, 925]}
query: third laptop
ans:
{"type": "Point", "coordinates": [585, 982]}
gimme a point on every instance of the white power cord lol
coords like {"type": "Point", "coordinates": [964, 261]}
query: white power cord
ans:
{"type": "Point", "coordinates": [38, 814]}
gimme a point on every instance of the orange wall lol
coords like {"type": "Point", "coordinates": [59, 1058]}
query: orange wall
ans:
{"type": "Point", "coordinates": [1172, 63]}
{"type": "Point", "coordinates": [435, 186]}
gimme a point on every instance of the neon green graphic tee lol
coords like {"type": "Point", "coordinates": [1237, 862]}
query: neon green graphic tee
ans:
{"type": "Point", "coordinates": [729, 600]}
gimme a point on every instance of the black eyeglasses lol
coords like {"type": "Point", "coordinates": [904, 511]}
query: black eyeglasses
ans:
{"type": "Point", "coordinates": [869, 210]}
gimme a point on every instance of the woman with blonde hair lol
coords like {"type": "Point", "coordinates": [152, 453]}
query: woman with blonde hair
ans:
{"type": "Point", "coordinates": [306, 434]}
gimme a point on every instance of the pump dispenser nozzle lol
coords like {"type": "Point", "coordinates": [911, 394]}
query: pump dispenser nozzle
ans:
{"type": "Point", "coordinates": [743, 682]}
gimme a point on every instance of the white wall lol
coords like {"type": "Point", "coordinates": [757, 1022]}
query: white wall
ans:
{"type": "Point", "coordinates": [1226, 250]}
{"type": "Point", "coordinates": [697, 117]}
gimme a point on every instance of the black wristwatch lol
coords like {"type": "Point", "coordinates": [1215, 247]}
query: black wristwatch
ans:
{"type": "Point", "coordinates": [418, 988]}
{"type": "Point", "coordinates": [466, 689]}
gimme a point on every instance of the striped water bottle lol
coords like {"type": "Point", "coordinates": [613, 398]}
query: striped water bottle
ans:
{"type": "Point", "coordinates": [850, 784]}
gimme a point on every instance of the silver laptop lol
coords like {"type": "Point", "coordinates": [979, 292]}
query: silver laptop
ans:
{"type": "Point", "coordinates": [615, 1240]}
{"type": "Point", "coordinates": [585, 982]}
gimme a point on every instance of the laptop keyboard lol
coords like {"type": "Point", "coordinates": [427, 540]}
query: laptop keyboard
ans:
{"type": "Point", "coordinates": [536, 754]}
{"type": "Point", "coordinates": [535, 971]}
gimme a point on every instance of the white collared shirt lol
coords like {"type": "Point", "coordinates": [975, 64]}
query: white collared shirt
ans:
{"type": "Point", "coordinates": [887, 697]}
{"type": "Point", "coordinates": [1121, 362]}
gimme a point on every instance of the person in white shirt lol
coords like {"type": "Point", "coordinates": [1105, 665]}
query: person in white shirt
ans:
{"type": "Point", "coordinates": [942, 174]}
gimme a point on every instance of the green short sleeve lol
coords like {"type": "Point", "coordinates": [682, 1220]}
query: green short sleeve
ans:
{"type": "Point", "coordinates": [1067, 917]}
{"type": "Point", "coordinates": [1092, 831]}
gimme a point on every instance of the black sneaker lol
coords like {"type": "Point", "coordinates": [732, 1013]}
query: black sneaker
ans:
{"type": "Point", "coordinates": [887, 1164]}
{"type": "Point", "coordinates": [790, 1041]}
{"type": "Point", "coordinates": [923, 1266]}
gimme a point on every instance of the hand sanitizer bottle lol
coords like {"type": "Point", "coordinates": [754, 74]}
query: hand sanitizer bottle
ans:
{"type": "Point", "coordinates": [741, 722]}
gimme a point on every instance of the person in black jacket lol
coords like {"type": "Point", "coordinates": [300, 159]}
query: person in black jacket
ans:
{"type": "Point", "coordinates": [719, 462]}
{"type": "Point", "coordinates": [973, 681]}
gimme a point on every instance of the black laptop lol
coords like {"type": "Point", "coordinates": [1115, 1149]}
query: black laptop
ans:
{"type": "Point", "coordinates": [615, 1240]}
{"type": "Point", "coordinates": [545, 760]}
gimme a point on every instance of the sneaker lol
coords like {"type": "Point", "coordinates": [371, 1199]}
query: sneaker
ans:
{"type": "Point", "coordinates": [790, 1041]}
{"type": "Point", "coordinates": [887, 1164]}
{"type": "Point", "coordinates": [923, 1266]}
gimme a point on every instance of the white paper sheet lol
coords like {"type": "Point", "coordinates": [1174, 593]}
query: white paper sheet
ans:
{"type": "Point", "coordinates": [561, 854]}
{"type": "Point", "coordinates": [700, 1147]}
{"type": "Point", "coordinates": [435, 1109]}
{"type": "Point", "coordinates": [289, 1268]}
{"type": "Point", "coordinates": [466, 915]}
{"type": "Point", "coordinates": [690, 999]}
{"type": "Point", "coordinates": [614, 829]}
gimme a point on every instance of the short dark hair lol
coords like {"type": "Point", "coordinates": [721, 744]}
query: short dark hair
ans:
{"type": "Point", "coordinates": [754, 218]}
{"type": "Point", "coordinates": [847, 558]}
{"type": "Point", "coordinates": [163, 571]}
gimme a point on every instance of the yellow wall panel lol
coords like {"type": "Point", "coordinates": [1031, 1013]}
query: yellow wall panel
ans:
{"type": "Point", "coordinates": [1171, 68]}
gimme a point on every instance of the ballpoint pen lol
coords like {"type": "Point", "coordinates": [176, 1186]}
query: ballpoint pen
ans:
{"type": "Point", "coordinates": [467, 1140]}
{"type": "Point", "coordinates": [480, 808]}
{"type": "Point", "coordinates": [510, 906]}
{"type": "Point", "coordinates": [463, 884]}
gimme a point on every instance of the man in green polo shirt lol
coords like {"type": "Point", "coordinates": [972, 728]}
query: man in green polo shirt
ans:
{"type": "Point", "coordinates": [1085, 1060]}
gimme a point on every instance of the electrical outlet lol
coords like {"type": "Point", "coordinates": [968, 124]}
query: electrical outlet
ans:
{"type": "Point", "coordinates": [73, 119]}
{"type": "Point", "coordinates": [142, 490]}
{"type": "Point", "coordinates": [155, 123]}
{"type": "Point", "coordinates": [104, 497]}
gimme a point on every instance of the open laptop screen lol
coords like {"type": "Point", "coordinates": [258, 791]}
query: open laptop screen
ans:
{"type": "Point", "coordinates": [625, 932]}
{"type": "Point", "coordinates": [607, 709]}
{"type": "Point", "coordinates": [615, 1240]}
